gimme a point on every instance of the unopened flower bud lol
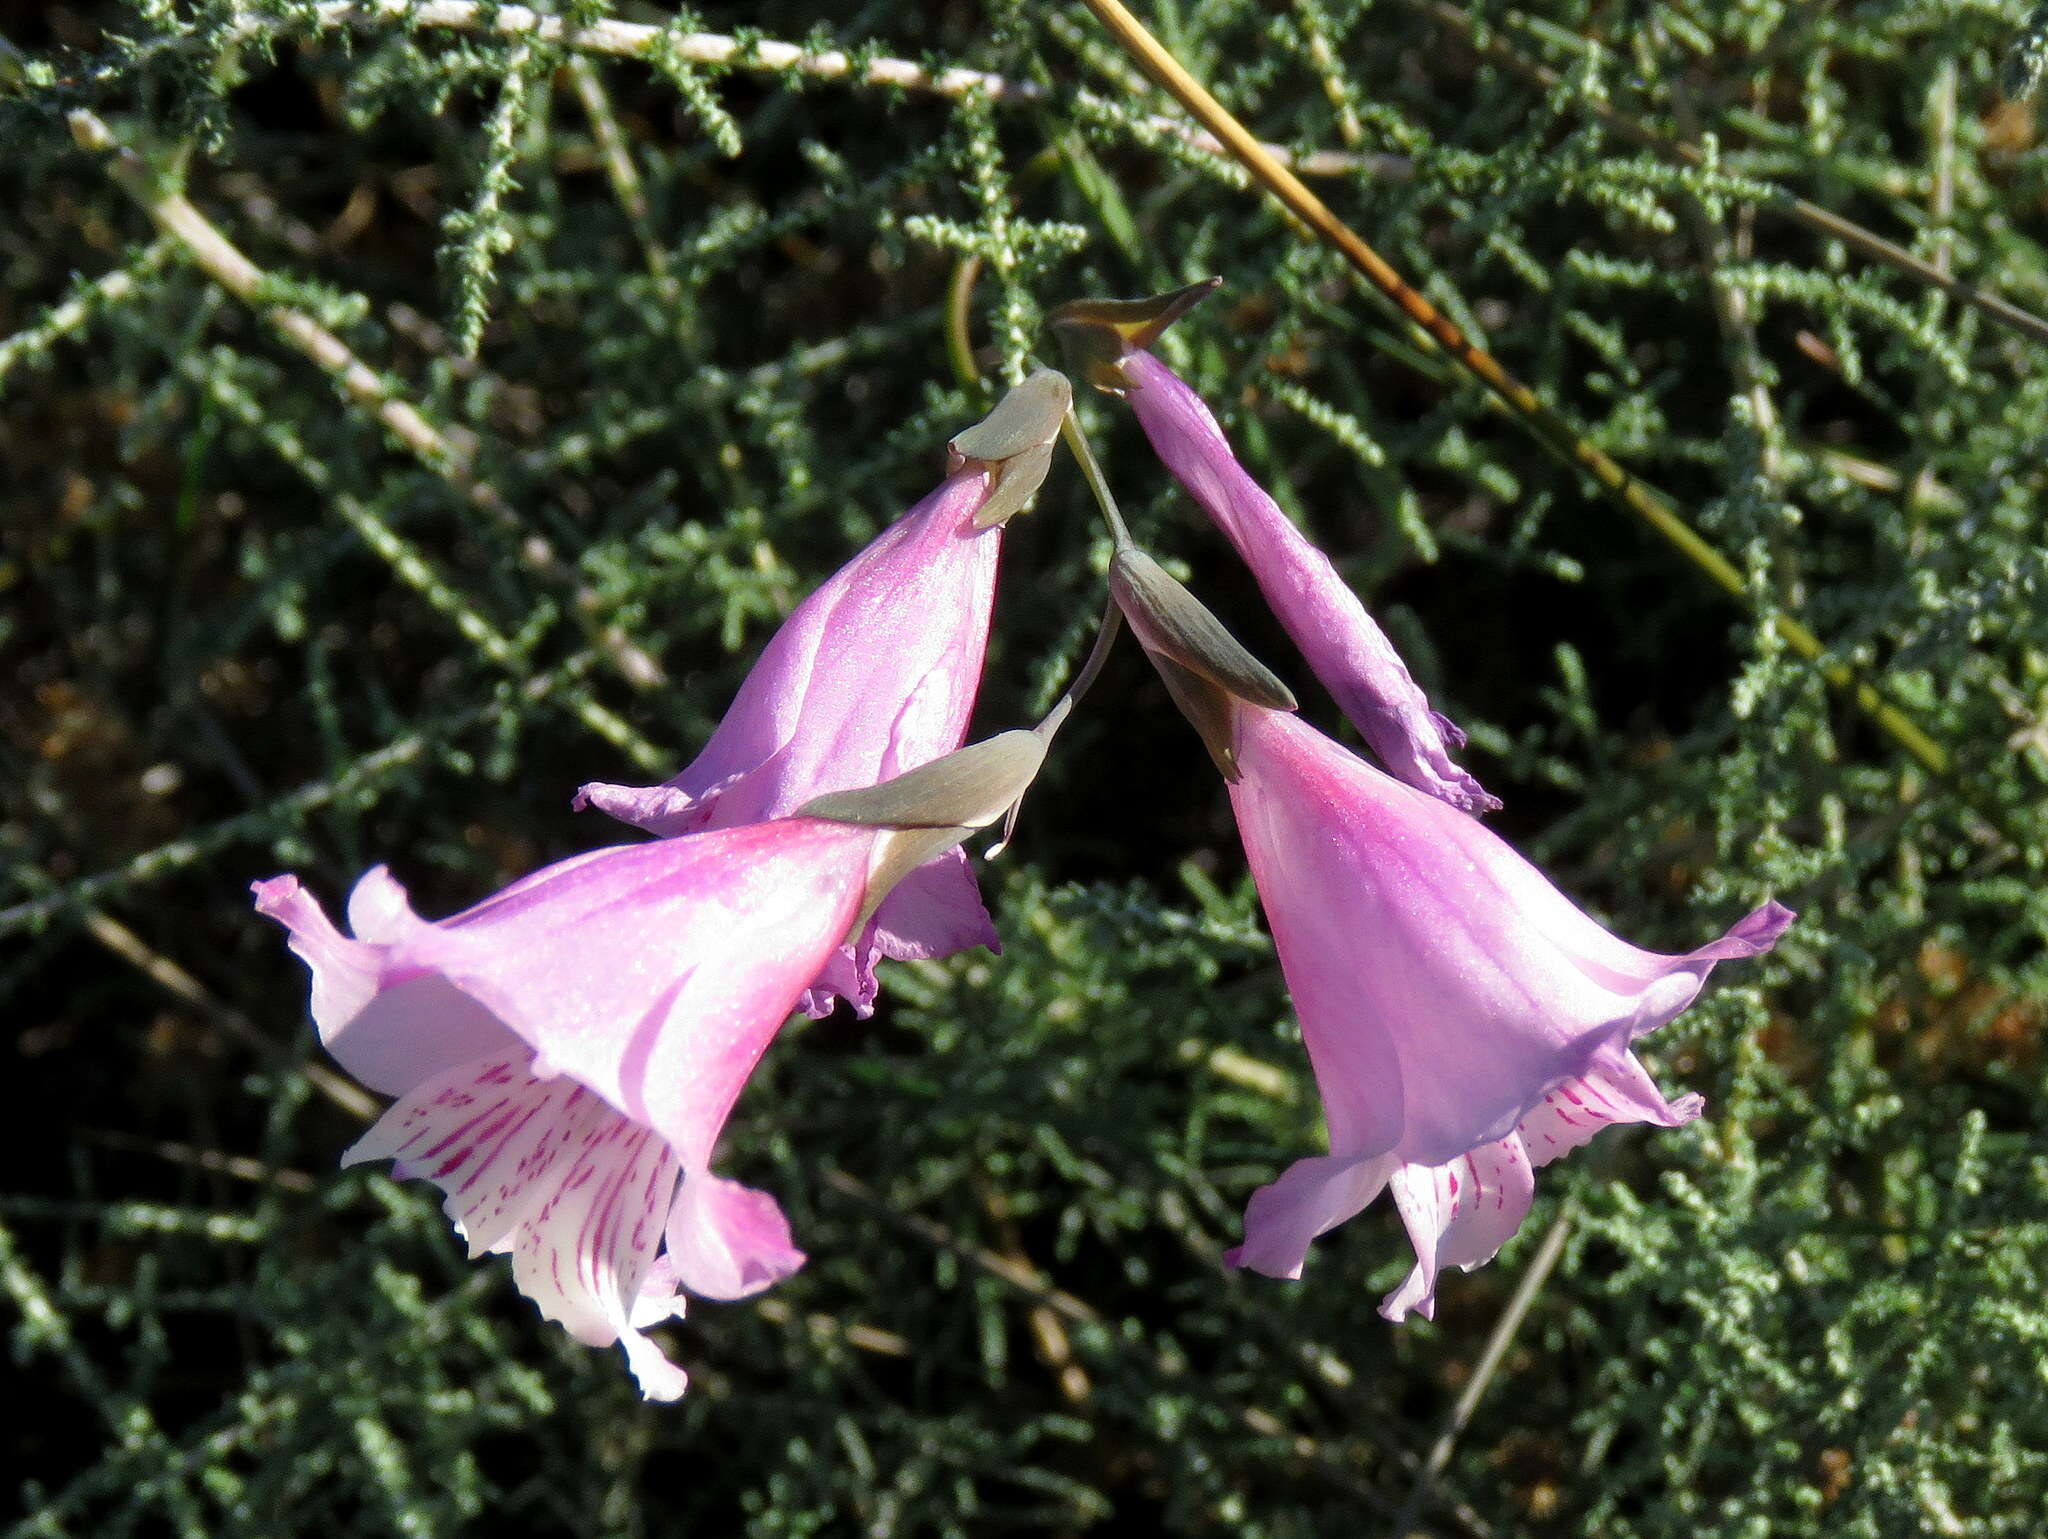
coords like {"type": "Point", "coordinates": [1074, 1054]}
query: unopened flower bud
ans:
{"type": "Point", "coordinates": [1204, 667]}
{"type": "Point", "coordinates": [1107, 342]}
{"type": "Point", "coordinates": [1015, 442]}
{"type": "Point", "coordinates": [1098, 334]}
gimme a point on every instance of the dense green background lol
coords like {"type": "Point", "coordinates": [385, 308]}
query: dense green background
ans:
{"type": "Point", "coordinates": [244, 630]}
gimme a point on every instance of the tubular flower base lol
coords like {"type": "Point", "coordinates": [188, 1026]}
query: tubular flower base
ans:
{"type": "Point", "coordinates": [874, 674]}
{"type": "Point", "coordinates": [1343, 644]}
{"type": "Point", "coordinates": [1466, 1021]}
{"type": "Point", "coordinates": [565, 1053]}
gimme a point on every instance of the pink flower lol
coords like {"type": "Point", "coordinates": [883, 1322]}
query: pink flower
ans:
{"type": "Point", "coordinates": [1465, 1020]}
{"type": "Point", "coordinates": [565, 1053]}
{"type": "Point", "coordinates": [1343, 645]}
{"type": "Point", "coordinates": [875, 673]}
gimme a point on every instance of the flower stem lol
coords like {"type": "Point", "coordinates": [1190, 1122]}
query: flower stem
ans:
{"type": "Point", "coordinates": [959, 341]}
{"type": "Point", "coordinates": [1105, 638]}
{"type": "Point", "coordinates": [1091, 472]}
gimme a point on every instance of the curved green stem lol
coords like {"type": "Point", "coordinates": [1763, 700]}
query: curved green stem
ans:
{"type": "Point", "coordinates": [1105, 638]}
{"type": "Point", "coordinates": [959, 340]}
{"type": "Point", "coordinates": [1091, 472]}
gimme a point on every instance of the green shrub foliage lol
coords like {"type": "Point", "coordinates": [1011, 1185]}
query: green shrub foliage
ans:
{"type": "Point", "coordinates": [647, 346]}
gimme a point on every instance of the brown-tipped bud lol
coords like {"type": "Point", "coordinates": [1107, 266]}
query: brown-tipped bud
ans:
{"type": "Point", "coordinates": [1171, 622]}
{"type": "Point", "coordinates": [1098, 333]}
{"type": "Point", "coordinates": [1015, 442]}
{"type": "Point", "coordinates": [926, 811]}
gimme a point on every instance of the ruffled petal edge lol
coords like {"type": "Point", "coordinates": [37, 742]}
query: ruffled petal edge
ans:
{"type": "Point", "coordinates": [1312, 1197]}
{"type": "Point", "coordinates": [727, 1241]}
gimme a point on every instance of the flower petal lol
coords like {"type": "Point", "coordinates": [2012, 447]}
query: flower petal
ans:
{"type": "Point", "coordinates": [546, 1170]}
{"type": "Point", "coordinates": [391, 1032]}
{"type": "Point", "coordinates": [1458, 1214]}
{"type": "Point", "coordinates": [1312, 1197]}
{"type": "Point", "coordinates": [1615, 1090]}
{"type": "Point", "coordinates": [727, 1241]}
{"type": "Point", "coordinates": [660, 1297]}
{"type": "Point", "coordinates": [345, 972]}
{"type": "Point", "coordinates": [848, 974]}
{"type": "Point", "coordinates": [664, 810]}
{"type": "Point", "coordinates": [934, 912]}
{"type": "Point", "coordinates": [489, 1133]}
{"type": "Point", "coordinates": [587, 1247]}
{"type": "Point", "coordinates": [1342, 643]}
{"type": "Point", "coordinates": [874, 673]}
{"type": "Point", "coordinates": [1483, 982]}
{"type": "Point", "coordinates": [658, 973]}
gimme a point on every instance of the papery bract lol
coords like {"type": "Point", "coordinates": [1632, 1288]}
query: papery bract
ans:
{"type": "Point", "coordinates": [1345, 648]}
{"type": "Point", "coordinates": [567, 1050]}
{"type": "Point", "coordinates": [1465, 1020]}
{"type": "Point", "coordinates": [873, 674]}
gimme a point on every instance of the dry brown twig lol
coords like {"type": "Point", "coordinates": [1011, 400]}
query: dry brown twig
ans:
{"type": "Point", "coordinates": [1440, 333]}
{"type": "Point", "coordinates": [178, 218]}
{"type": "Point", "coordinates": [634, 40]}
{"type": "Point", "coordinates": [1786, 204]}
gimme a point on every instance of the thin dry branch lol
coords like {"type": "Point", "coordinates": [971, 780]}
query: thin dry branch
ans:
{"type": "Point", "coordinates": [1495, 1352]}
{"type": "Point", "coordinates": [221, 260]}
{"type": "Point", "coordinates": [633, 40]}
{"type": "Point", "coordinates": [618, 164]}
{"type": "Point", "coordinates": [188, 990]}
{"type": "Point", "coordinates": [1782, 202]}
{"type": "Point", "coordinates": [86, 299]}
{"type": "Point", "coordinates": [1439, 332]}
{"type": "Point", "coordinates": [240, 1166]}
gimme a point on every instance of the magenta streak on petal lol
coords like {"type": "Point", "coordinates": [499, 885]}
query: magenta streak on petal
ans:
{"type": "Point", "coordinates": [601, 1223]}
{"type": "Point", "coordinates": [462, 1131]}
{"type": "Point", "coordinates": [514, 1123]}
{"type": "Point", "coordinates": [700, 945]}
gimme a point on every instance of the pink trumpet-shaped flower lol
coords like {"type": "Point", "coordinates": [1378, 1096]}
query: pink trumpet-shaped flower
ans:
{"type": "Point", "coordinates": [565, 1053]}
{"type": "Point", "coordinates": [1344, 646]}
{"type": "Point", "coordinates": [1465, 1020]}
{"type": "Point", "coordinates": [875, 673]}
